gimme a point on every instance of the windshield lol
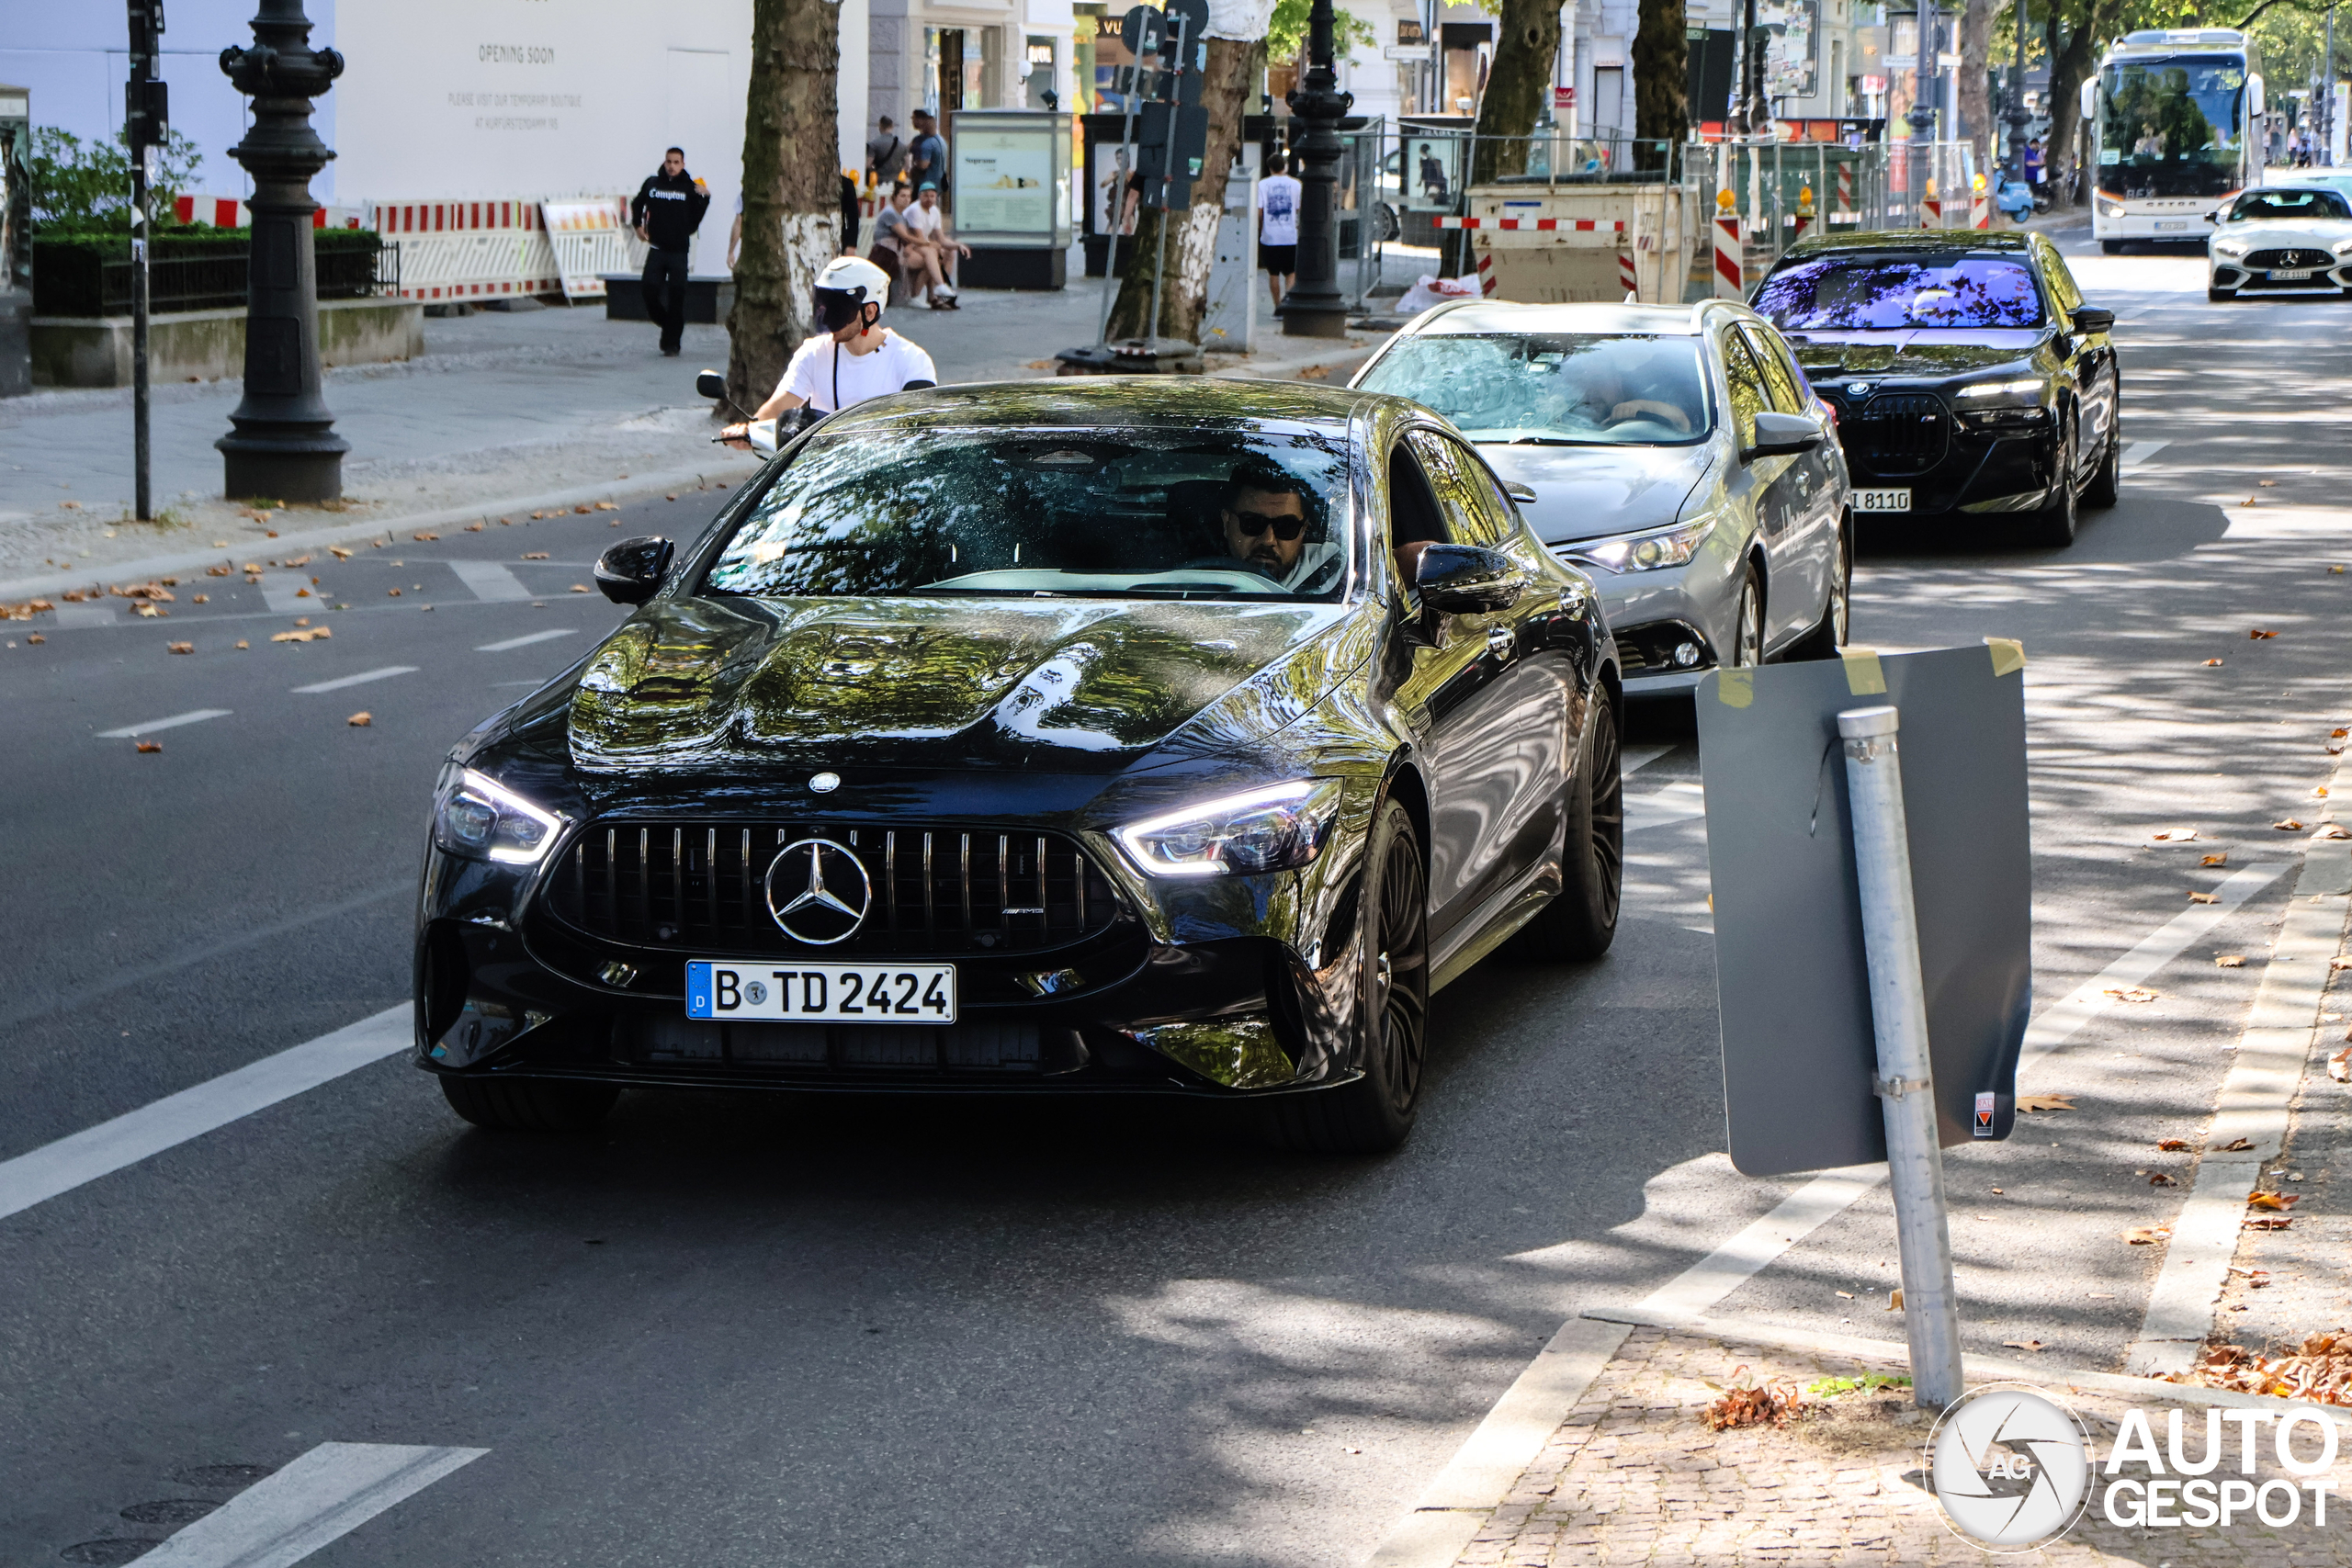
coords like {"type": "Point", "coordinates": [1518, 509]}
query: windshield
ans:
{"type": "Point", "coordinates": [1567, 388]}
{"type": "Point", "coordinates": [2289, 204]}
{"type": "Point", "coordinates": [1234, 513]}
{"type": "Point", "coordinates": [1864, 293]}
{"type": "Point", "coordinates": [2171, 127]}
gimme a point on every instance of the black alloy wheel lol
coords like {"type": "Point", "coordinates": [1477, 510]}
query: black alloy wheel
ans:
{"type": "Point", "coordinates": [1581, 922]}
{"type": "Point", "coordinates": [1375, 1111]}
{"type": "Point", "coordinates": [2107, 485]}
{"type": "Point", "coordinates": [2053, 525]}
{"type": "Point", "coordinates": [1747, 623]}
{"type": "Point", "coordinates": [529, 1105]}
{"type": "Point", "coordinates": [1829, 635]}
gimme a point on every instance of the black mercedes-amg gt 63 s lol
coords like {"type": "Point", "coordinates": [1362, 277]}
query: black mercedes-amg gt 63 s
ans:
{"type": "Point", "coordinates": [1114, 734]}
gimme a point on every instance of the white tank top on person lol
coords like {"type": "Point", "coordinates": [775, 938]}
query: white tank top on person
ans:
{"type": "Point", "coordinates": [830, 378]}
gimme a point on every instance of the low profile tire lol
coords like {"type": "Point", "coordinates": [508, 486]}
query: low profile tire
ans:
{"type": "Point", "coordinates": [1376, 1113]}
{"type": "Point", "coordinates": [2107, 485]}
{"type": "Point", "coordinates": [1580, 924]}
{"type": "Point", "coordinates": [1746, 649]}
{"type": "Point", "coordinates": [2053, 525]}
{"type": "Point", "coordinates": [1830, 634]}
{"type": "Point", "coordinates": [529, 1105]}
{"type": "Point", "coordinates": [2220, 296]}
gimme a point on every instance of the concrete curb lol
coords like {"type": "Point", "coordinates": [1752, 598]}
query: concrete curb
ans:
{"type": "Point", "coordinates": [638, 487]}
{"type": "Point", "coordinates": [1980, 1369]}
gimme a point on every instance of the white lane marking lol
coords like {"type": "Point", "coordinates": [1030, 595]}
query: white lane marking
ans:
{"type": "Point", "coordinates": [386, 673]}
{"type": "Point", "coordinates": [490, 580]}
{"type": "Point", "coordinates": [1675, 803]}
{"type": "Point", "coordinates": [2140, 451]}
{"type": "Point", "coordinates": [527, 641]}
{"type": "Point", "coordinates": [1634, 759]}
{"type": "Point", "coordinates": [1824, 1198]}
{"type": "Point", "coordinates": [319, 1499]}
{"type": "Point", "coordinates": [83, 1156]}
{"type": "Point", "coordinates": [193, 715]}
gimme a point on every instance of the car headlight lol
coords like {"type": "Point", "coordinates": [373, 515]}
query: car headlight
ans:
{"type": "Point", "coordinates": [477, 817]}
{"type": "Point", "coordinates": [2024, 392]}
{"type": "Point", "coordinates": [1265, 830]}
{"type": "Point", "coordinates": [2109, 208]}
{"type": "Point", "coordinates": [1652, 550]}
{"type": "Point", "coordinates": [2233, 249]}
{"type": "Point", "coordinates": [2341, 248]}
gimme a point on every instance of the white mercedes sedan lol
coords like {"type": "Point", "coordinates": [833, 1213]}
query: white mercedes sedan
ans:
{"type": "Point", "coordinates": [2290, 239]}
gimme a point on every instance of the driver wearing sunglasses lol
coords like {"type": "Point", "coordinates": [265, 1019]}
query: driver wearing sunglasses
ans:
{"type": "Point", "coordinates": [1266, 515]}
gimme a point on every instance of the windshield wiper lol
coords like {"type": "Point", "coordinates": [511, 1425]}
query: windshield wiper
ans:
{"type": "Point", "coordinates": [1555, 441]}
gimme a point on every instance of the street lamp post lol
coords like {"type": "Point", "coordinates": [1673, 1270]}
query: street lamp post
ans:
{"type": "Point", "coordinates": [284, 446]}
{"type": "Point", "coordinates": [1927, 75]}
{"type": "Point", "coordinates": [1314, 307]}
{"type": "Point", "coordinates": [2015, 114]}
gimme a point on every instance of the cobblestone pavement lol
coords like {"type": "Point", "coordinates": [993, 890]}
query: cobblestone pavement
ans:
{"type": "Point", "coordinates": [1635, 1476]}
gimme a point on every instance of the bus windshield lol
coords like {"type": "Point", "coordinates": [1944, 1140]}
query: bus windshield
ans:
{"type": "Point", "coordinates": [2172, 126]}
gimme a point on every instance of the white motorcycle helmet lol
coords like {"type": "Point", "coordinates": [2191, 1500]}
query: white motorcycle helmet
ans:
{"type": "Point", "coordinates": [845, 287]}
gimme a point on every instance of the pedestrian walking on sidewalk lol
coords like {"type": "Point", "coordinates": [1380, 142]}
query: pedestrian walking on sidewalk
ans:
{"type": "Point", "coordinates": [1278, 196]}
{"type": "Point", "coordinates": [666, 212]}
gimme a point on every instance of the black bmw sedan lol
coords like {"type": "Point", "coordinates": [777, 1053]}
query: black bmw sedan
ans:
{"type": "Point", "coordinates": [1110, 733]}
{"type": "Point", "coordinates": [1967, 374]}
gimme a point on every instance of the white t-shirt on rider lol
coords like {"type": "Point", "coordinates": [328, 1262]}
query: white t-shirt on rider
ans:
{"type": "Point", "coordinates": [820, 366]}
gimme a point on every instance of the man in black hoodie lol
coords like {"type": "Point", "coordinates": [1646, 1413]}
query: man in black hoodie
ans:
{"type": "Point", "coordinates": [667, 212]}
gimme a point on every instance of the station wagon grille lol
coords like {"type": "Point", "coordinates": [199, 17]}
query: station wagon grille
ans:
{"type": "Point", "coordinates": [2287, 260]}
{"type": "Point", "coordinates": [701, 888]}
{"type": "Point", "coordinates": [1897, 433]}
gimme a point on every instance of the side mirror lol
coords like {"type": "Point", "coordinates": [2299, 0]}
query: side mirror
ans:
{"type": "Point", "coordinates": [2091, 319]}
{"type": "Point", "coordinates": [2214, 216]}
{"type": "Point", "coordinates": [1465, 580]}
{"type": "Point", "coordinates": [2090, 98]}
{"type": "Point", "coordinates": [711, 384]}
{"type": "Point", "coordinates": [1785, 436]}
{"type": "Point", "coordinates": [630, 571]}
{"type": "Point", "coordinates": [1519, 492]}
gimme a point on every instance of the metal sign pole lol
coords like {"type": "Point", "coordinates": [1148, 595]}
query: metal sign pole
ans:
{"type": "Point", "coordinates": [1167, 169]}
{"type": "Point", "coordinates": [1119, 204]}
{"type": "Point", "coordinates": [1905, 1084]}
{"type": "Point", "coordinates": [144, 119]}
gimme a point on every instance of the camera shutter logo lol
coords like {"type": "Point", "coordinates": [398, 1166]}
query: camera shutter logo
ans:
{"type": "Point", "coordinates": [2010, 1466]}
{"type": "Point", "coordinates": [819, 892]}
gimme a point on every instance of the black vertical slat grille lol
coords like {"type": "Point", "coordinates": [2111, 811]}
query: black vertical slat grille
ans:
{"type": "Point", "coordinates": [701, 888]}
{"type": "Point", "coordinates": [1902, 433]}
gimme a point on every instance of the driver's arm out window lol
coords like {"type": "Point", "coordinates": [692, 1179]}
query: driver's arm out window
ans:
{"type": "Point", "coordinates": [1746, 389]}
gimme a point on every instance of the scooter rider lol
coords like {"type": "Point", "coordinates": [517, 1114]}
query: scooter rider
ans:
{"type": "Point", "coordinates": [855, 357]}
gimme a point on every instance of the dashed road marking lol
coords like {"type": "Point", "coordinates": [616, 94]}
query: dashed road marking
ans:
{"type": "Point", "coordinates": [490, 580]}
{"type": "Point", "coordinates": [386, 673]}
{"type": "Point", "coordinates": [319, 1499]}
{"type": "Point", "coordinates": [512, 642]}
{"type": "Point", "coordinates": [193, 715]}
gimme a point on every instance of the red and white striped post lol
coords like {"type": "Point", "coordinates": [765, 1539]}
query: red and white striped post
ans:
{"type": "Point", "coordinates": [1931, 208]}
{"type": "Point", "coordinates": [1980, 207]}
{"type": "Point", "coordinates": [1730, 282]}
{"type": "Point", "coordinates": [1625, 276]}
{"type": "Point", "coordinates": [1845, 190]}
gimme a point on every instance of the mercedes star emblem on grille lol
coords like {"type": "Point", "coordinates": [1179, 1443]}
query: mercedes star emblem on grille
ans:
{"type": "Point", "coordinates": [819, 892]}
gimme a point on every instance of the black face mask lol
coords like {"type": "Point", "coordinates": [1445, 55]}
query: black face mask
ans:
{"type": "Point", "coordinates": [837, 308]}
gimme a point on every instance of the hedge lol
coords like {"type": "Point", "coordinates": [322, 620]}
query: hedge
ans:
{"type": "Point", "coordinates": [193, 268]}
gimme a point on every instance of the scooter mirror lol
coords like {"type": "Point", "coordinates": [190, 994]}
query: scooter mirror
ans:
{"type": "Point", "coordinates": [711, 384]}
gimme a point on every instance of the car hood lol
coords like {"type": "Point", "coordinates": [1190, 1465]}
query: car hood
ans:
{"type": "Point", "coordinates": [1584, 493]}
{"type": "Point", "coordinates": [749, 686]}
{"type": "Point", "coordinates": [1926, 352]}
{"type": "Point", "coordinates": [2317, 233]}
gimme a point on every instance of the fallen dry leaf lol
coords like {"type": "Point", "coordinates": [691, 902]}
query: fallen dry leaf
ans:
{"type": "Point", "coordinates": [2272, 1223]}
{"type": "Point", "coordinates": [2173, 1146]}
{"type": "Point", "coordinates": [2288, 825]}
{"type": "Point", "coordinates": [1894, 1298]}
{"type": "Point", "coordinates": [2022, 1344]}
{"type": "Point", "coordinates": [179, 648]}
{"type": "Point", "coordinates": [2333, 830]}
{"type": "Point", "coordinates": [149, 610]}
{"type": "Point", "coordinates": [202, 599]}
{"type": "Point", "coordinates": [2340, 734]}
{"type": "Point", "coordinates": [2339, 1066]}
{"type": "Point", "coordinates": [361, 719]}
{"type": "Point", "coordinates": [1029, 365]}
{"type": "Point", "coordinates": [2158, 1178]}
{"type": "Point", "coordinates": [2258, 635]}
{"type": "Point", "coordinates": [2320, 793]}
{"type": "Point", "coordinates": [424, 538]}
{"type": "Point", "coordinates": [672, 496]}
{"type": "Point", "coordinates": [2276, 1202]}
{"type": "Point", "coordinates": [581, 511]}
{"type": "Point", "coordinates": [2031, 1102]}
{"type": "Point", "coordinates": [2132, 994]}
{"type": "Point", "coordinates": [2265, 484]}
{"type": "Point", "coordinates": [2147, 1236]}
{"type": "Point", "coordinates": [150, 745]}
{"type": "Point", "coordinates": [473, 528]}
{"type": "Point", "coordinates": [304, 621]}
{"type": "Point", "coordinates": [2222, 859]}
{"type": "Point", "coordinates": [2212, 664]}
{"type": "Point", "coordinates": [2340, 964]}
{"type": "Point", "coordinates": [392, 592]}
{"type": "Point", "coordinates": [2229, 960]}
{"type": "Point", "coordinates": [242, 643]}
{"type": "Point", "coordinates": [338, 552]}
{"type": "Point", "coordinates": [535, 554]}
{"type": "Point", "coordinates": [580, 588]}
{"type": "Point", "coordinates": [2236, 1145]}
{"type": "Point", "coordinates": [223, 569]}
{"type": "Point", "coordinates": [1315, 373]}
{"type": "Point", "coordinates": [2172, 835]}
{"type": "Point", "coordinates": [1769, 1404]}
{"type": "Point", "coordinates": [606, 506]}
{"type": "Point", "coordinates": [36, 638]}
{"type": "Point", "coordinates": [2196, 898]}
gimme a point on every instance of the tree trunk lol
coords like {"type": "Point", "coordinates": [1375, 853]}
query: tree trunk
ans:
{"type": "Point", "coordinates": [1518, 84]}
{"type": "Point", "coordinates": [1192, 236]}
{"type": "Point", "coordinates": [1661, 81]}
{"type": "Point", "coordinates": [2072, 59]}
{"type": "Point", "coordinates": [791, 191]}
{"type": "Point", "coordinates": [1975, 90]}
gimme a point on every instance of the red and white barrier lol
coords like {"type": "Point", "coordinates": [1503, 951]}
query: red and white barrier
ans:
{"type": "Point", "coordinates": [1931, 213]}
{"type": "Point", "coordinates": [1980, 212]}
{"type": "Point", "coordinates": [1625, 277]}
{"type": "Point", "coordinates": [229, 213]}
{"type": "Point", "coordinates": [1730, 282]}
{"type": "Point", "coordinates": [1487, 274]}
{"type": "Point", "coordinates": [1845, 193]}
{"type": "Point", "coordinates": [1544, 225]}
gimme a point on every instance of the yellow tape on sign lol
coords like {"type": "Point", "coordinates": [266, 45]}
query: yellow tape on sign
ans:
{"type": "Point", "coordinates": [2009, 654]}
{"type": "Point", "coordinates": [1864, 678]}
{"type": "Point", "coordinates": [1736, 688]}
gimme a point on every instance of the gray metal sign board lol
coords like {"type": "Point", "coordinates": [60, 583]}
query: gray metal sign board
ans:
{"type": "Point", "coordinates": [1799, 1054]}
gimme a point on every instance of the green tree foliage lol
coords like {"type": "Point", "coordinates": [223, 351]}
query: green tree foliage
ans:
{"type": "Point", "coordinates": [78, 187]}
{"type": "Point", "coordinates": [1286, 34]}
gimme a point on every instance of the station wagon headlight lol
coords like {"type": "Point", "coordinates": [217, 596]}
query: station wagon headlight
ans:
{"type": "Point", "coordinates": [2233, 249]}
{"type": "Point", "coordinates": [1265, 830]}
{"type": "Point", "coordinates": [477, 817]}
{"type": "Point", "coordinates": [1652, 550]}
{"type": "Point", "coordinates": [2023, 392]}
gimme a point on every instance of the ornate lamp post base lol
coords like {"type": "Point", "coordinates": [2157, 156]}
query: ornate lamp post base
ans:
{"type": "Point", "coordinates": [284, 445]}
{"type": "Point", "coordinates": [1314, 307]}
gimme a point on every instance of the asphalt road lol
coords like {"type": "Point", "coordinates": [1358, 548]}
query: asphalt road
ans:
{"type": "Point", "coordinates": [765, 1330]}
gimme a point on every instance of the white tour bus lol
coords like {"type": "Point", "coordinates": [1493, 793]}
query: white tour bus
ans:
{"type": "Point", "coordinates": [2176, 130]}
